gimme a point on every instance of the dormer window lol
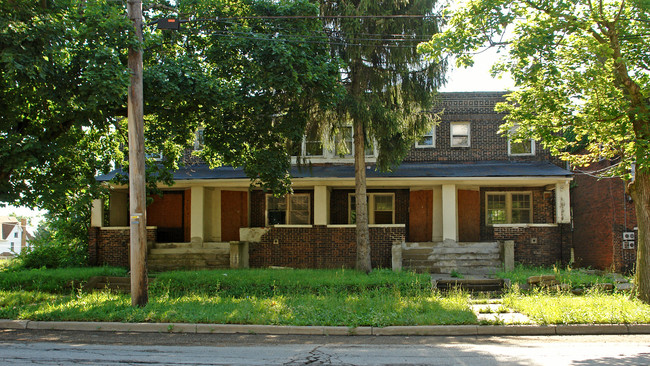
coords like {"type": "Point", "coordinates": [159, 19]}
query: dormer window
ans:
{"type": "Point", "coordinates": [344, 142]}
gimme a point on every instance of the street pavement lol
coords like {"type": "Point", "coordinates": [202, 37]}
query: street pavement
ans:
{"type": "Point", "coordinates": [55, 347]}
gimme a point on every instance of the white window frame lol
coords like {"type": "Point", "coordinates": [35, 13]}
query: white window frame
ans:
{"type": "Point", "coordinates": [451, 134]}
{"type": "Point", "coordinates": [508, 195]}
{"type": "Point", "coordinates": [532, 145]}
{"type": "Point", "coordinates": [287, 218]}
{"type": "Point", "coordinates": [431, 133]}
{"type": "Point", "coordinates": [329, 149]}
{"type": "Point", "coordinates": [371, 206]}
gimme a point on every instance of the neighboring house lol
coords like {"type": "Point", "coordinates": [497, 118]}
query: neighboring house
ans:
{"type": "Point", "coordinates": [461, 194]}
{"type": "Point", "coordinates": [15, 236]}
{"type": "Point", "coordinates": [605, 228]}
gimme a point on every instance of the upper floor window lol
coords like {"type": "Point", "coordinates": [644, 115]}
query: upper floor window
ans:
{"type": "Point", "coordinates": [293, 209]}
{"type": "Point", "coordinates": [199, 141]}
{"type": "Point", "coordinates": [428, 139]}
{"type": "Point", "coordinates": [11, 246]}
{"type": "Point", "coordinates": [344, 142]}
{"type": "Point", "coordinates": [381, 208]}
{"type": "Point", "coordinates": [15, 235]}
{"type": "Point", "coordinates": [155, 156]}
{"type": "Point", "coordinates": [522, 148]}
{"type": "Point", "coordinates": [313, 145]}
{"type": "Point", "coordinates": [460, 134]}
{"type": "Point", "coordinates": [508, 208]}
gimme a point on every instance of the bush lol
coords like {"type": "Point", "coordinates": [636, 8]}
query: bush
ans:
{"type": "Point", "coordinates": [51, 255]}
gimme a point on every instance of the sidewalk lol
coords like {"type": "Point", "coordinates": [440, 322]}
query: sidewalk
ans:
{"type": "Point", "coordinates": [424, 330]}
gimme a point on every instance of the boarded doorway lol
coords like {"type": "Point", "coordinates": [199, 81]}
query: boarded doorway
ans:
{"type": "Point", "coordinates": [234, 214]}
{"type": "Point", "coordinates": [420, 216]}
{"type": "Point", "coordinates": [469, 216]}
{"type": "Point", "coordinates": [167, 213]}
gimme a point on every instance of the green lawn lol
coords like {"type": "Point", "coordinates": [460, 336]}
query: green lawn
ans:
{"type": "Point", "coordinates": [290, 297]}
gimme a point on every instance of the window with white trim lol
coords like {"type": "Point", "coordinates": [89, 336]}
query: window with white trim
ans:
{"type": "Point", "coordinates": [312, 144]}
{"type": "Point", "coordinates": [381, 208]}
{"type": "Point", "coordinates": [522, 148]}
{"type": "Point", "coordinates": [460, 134]}
{"type": "Point", "coordinates": [293, 209]}
{"type": "Point", "coordinates": [508, 208]}
{"type": "Point", "coordinates": [428, 139]}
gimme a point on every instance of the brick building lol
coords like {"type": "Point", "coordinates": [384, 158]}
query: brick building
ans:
{"type": "Point", "coordinates": [604, 220]}
{"type": "Point", "coordinates": [461, 183]}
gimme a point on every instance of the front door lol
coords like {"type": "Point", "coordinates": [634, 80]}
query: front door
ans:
{"type": "Point", "coordinates": [234, 214]}
{"type": "Point", "coordinates": [469, 216]}
{"type": "Point", "coordinates": [420, 216]}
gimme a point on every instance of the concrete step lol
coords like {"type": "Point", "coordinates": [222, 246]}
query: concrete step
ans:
{"type": "Point", "coordinates": [172, 245]}
{"type": "Point", "coordinates": [466, 250]}
{"type": "Point", "coordinates": [464, 257]}
{"type": "Point", "coordinates": [185, 251]}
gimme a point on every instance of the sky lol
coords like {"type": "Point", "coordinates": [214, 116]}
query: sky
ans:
{"type": "Point", "coordinates": [476, 78]}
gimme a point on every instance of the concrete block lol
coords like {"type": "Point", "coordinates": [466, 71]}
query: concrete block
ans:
{"type": "Point", "coordinates": [13, 324]}
{"type": "Point", "coordinates": [591, 329]}
{"type": "Point", "coordinates": [638, 328]}
{"type": "Point", "coordinates": [516, 330]}
{"type": "Point", "coordinates": [426, 330]}
{"type": "Point", "coordinates": [396, 252]}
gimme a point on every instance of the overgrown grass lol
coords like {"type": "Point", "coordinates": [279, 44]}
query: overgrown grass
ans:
{"type": "Point", "coordinates": [53, 280]}
{"type": "Point", "coordinates": [272, 282]}
{"type": "Point", "coordinates": [574, 277]}
{"type": "Point", "coordinates": [595, 307]}
{"type": "Point", "coordinates": [369, 308]}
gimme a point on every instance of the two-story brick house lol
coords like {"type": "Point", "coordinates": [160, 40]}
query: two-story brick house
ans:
{"type": "Point", "coordinates": [461, 183]}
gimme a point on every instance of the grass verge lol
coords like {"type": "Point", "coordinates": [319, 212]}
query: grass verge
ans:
{"type": "Point", "coordinates": [574, 277]}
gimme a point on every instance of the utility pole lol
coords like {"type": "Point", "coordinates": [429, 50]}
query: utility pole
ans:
{"type": "Point", "coordinates": [137, 195]}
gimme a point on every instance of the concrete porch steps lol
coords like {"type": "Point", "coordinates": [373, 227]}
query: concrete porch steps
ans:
{"type": "Point", "coordinates": [482, 258]}
{"type": "Point", "coordinates": [188, 256]}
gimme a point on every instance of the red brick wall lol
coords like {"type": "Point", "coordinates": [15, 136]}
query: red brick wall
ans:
{"type": "Point", "coordinates": [601, 213]}
{"type": "Point", "coordinates": [553, 243]}
{"type": "Point", "coordinates": [322, 247]}
{"type": "Point", "coordinates": [485, 142]}
{"type": "Point", "coordinates": [111, 246]}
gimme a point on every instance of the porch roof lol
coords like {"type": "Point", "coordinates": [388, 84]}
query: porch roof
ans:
{"type": "Point", "coordinates": [405, 170]}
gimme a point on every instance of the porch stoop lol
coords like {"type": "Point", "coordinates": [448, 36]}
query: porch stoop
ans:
{"type": "Point", "coordinates": [482, 258]}
{"type": "Point", "coordinates": [178, 256]}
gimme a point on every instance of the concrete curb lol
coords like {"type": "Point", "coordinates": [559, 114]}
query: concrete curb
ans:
{"type": "Point", "coordinates": [421, 330]}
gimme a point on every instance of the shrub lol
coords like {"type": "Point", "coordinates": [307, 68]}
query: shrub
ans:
{"type": "Point", "coordinates": [51, 255]}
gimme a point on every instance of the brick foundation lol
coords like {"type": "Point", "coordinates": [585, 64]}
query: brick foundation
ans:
{"type": "Point", "coordinates": [322, 247]}
{"type": "Point", "coordinates": [553, 243]}
{"type": "Point", "coordinates": [110, 246]}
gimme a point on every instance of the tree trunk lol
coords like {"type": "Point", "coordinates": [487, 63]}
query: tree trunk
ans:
{"type": "Point", "coordinates": [641, 195]}
{"type": "Point", "coordinates": [363, 234]}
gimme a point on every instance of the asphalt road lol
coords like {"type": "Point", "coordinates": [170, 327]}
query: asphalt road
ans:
{"type": "Point", "coordinates": [29, 347]}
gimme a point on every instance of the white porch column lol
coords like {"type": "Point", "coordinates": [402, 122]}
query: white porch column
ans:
{"type": "Point", "coordinates": [562, 203]}
{"type": "Point", "coordinates": [97, 214]}
{"type": "Point", "coordinates": [436, 232]}
{"type": "Point", "coordinates": [449, 212]}
{"type": "Point", "coordinates": [196, 215]}
{"type": "Point", "coordinates": [321, 205]}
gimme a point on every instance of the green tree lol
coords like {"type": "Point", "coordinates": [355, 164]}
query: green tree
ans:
{"type": "Point", "coordinates": [582, 71]}
{"type": "Point", "coordinates": [64, 83]}
{"type": "Point", "coordinates": [389, 86]}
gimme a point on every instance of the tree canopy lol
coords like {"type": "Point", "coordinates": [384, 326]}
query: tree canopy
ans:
{"type": "Point", "coordinates": [64, 75]}
{"type": "Point", "coordinates": [582, 72]}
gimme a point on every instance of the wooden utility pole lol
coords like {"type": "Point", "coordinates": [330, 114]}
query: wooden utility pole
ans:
{"type": "Point", "coordinates": [137, 200]}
